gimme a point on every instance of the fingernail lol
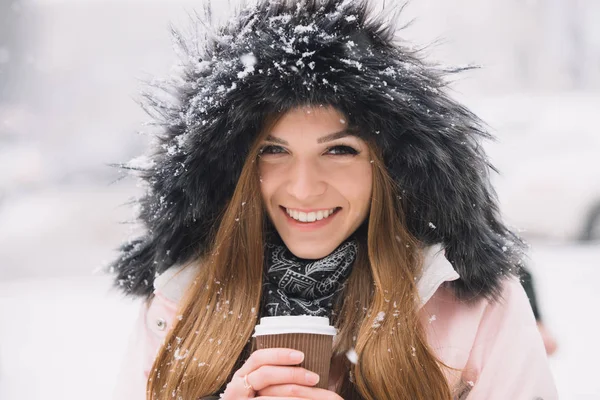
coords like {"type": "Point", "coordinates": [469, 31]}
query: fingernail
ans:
{"type": "Point", "coordinates": [297, 356]}
{"type": "Point", "coordinates": [312, 378]}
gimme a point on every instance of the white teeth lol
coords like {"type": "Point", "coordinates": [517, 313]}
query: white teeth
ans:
{"type": "Point", "coordinates": [309, 217]}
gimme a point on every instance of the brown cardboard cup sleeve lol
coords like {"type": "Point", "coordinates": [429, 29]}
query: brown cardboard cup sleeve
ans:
{"type": "Point", "coordinates": [311, 335]}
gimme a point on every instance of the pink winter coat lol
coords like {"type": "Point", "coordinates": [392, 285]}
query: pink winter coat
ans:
{"type": "Point", "coordinates": [496, 347]}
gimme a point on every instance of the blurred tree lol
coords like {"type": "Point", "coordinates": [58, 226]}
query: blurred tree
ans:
{"type": "Point", "coordinates": [11, 47]}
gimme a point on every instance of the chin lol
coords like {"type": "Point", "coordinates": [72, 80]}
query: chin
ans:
{"type": "Point", "coordinates": [311, 251]}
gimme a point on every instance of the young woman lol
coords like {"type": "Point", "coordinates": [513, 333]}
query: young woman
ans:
{"type": "Point", "coordinates": [305, 142]}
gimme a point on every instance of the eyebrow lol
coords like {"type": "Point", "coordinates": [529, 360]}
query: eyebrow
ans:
{"type": "Point", "coordinates": [323, 139]}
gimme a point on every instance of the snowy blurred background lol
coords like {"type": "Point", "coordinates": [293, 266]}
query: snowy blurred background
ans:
{"type": "Point", "coordinates": [69, 78]}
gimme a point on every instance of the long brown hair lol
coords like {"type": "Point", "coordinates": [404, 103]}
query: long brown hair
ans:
{"type": "Point", "coordinates": [378, 316]}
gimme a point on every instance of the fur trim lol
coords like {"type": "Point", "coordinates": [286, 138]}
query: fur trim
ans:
{"type": "Point", "coordinates": [277, 55]}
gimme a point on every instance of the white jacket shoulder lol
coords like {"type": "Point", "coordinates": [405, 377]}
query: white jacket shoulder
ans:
{"type": "Point", "coordinates": [172, 283]}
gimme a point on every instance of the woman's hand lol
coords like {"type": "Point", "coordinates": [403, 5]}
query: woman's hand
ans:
{"type": "Point", "coordinates": [274, 371]}
{"type": "Point", "coordinates": [291, 391]}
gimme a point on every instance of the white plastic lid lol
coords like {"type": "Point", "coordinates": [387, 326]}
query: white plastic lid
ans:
{"type": "Point", "coordinates": [294, 324]}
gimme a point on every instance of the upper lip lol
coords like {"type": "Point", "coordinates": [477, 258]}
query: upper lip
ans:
{"type": "Point", "coordinates": [308, 210]}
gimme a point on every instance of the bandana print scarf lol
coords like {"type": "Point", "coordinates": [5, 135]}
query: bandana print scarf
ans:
{"type": "Point", "coordinates": [294, 286]}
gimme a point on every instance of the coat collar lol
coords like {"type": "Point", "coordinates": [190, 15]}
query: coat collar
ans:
{"type": "Point", "coordinates": [436, 270]}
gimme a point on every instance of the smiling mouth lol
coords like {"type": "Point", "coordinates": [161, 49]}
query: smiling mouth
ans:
{"type": "Point", "coordinates": [310, 217]}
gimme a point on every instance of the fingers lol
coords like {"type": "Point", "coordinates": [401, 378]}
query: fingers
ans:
{"type": "Point", "coordinates": [296, 391]}
{"type": "Point", "coordinates": [266, 376]}
{"type": "Point", "coordinates": [279, 398]}
{"type": "Point", "coordinates": [269, 375]}
{"type": "Point", "coordinates": [237, 390]}
{"type": "Point", "coordinates": [270, 357]}
{"type": "Point", "coordinates": [267, 367]}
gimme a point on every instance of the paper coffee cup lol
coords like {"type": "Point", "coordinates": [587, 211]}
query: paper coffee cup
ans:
{"type": "Point", "coordinates": [311, 335]}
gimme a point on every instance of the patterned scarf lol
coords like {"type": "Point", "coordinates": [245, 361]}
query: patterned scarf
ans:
{"type": "Point", "coordinates": [295, 286]}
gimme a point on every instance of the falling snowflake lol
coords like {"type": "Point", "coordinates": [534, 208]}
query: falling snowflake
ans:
{"type": "Point", "coordinates": [178, 356]}
{"type": "Point", "coordinates": [352, 356]}
{"type": "Point", "coordinates": [248, 61]}
{"type": "Point", "coordinates": [380, 317]}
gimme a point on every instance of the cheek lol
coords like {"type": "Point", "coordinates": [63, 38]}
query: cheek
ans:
{"type": "Point", "coordinates": [356, 186]}
{"type": "Point", "coordinates": [268, 184]}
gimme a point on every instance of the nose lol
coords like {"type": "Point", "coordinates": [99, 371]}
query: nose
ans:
{"type": "Point", "coordinates": [305, 180]}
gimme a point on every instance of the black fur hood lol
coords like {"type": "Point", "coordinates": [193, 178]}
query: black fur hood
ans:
{"type": "Point", "coordinates": [276, 55]}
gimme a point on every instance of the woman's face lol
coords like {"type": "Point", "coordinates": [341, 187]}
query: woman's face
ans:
{"type": "Point", "coordinates": [316, 180]}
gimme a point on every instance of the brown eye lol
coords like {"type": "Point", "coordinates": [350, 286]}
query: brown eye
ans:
{"type": "Point", "coordinates": [270, 149]}
{"type": "Point", "coordinates": [342, 150]}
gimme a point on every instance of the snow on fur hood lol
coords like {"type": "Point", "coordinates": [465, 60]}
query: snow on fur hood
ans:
{"type": "Point", "coordinates": [277, 55]}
